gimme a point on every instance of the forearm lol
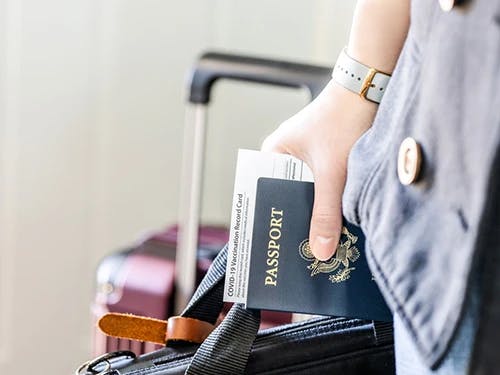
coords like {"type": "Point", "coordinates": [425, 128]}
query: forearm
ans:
{"type": "Point", "coordinates": [378, 32]}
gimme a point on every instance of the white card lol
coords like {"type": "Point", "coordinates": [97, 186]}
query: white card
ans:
{"type": "Point", "coordinates": [252, 165]}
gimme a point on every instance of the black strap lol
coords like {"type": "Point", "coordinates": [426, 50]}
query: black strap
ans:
{"type": "Point", "coordinates": [383, 332]}
{"type": "Point", "coordinates": [206, 303]}
{"type": "Point", "coordinates": [227, 348]}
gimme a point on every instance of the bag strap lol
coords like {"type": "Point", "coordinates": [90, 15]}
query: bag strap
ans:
{"type": "Point", "coordinates": [206, 303]}
{"type": "Point", "coordinates": [163, 332]}
{"type": "Point", "coordinates": [227, 348]}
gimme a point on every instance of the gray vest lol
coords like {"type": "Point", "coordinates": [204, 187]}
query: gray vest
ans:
{"type": "Point", "coordinates": [421, 238]}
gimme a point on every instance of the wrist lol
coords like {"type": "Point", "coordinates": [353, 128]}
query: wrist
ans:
{"type": "Point", "coordinates": [347, 116]}
{"type": "Point", "coordinates": [348, 101]}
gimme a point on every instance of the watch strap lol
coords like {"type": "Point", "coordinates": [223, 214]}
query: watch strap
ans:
{"type": "Point", "coordinates": [367, 82]}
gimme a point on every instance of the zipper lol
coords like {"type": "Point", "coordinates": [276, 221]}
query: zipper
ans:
{"type": "Point", "coordinates": [308, 328]}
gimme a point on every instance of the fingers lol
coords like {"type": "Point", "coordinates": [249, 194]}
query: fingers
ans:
{"type": "Point", "coordinates": [329, 180]}
{"type": "Point", "coordinates": [326, 221]}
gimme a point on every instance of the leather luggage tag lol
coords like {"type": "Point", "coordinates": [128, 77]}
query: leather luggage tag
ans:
{"type": "Point", "coordinates": [133, 327]}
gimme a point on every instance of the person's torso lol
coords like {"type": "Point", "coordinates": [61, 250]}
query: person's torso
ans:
{"type": "Point", "coordinates": [444, 94]}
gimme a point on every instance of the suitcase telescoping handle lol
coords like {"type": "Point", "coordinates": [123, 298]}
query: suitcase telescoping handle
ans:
{"type": "Point", "coordinates": [210, 68]}
{"type": "Point", "coordinates": [213, 66]}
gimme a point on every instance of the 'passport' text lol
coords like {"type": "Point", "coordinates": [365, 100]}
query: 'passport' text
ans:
{"type": "Point", "coordinates": [273, 247]}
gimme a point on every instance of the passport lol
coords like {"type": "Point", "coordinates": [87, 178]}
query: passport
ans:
{"type": "Point", "coordinates": [283, 273]}
{"type": "Point", "coordinates": [250, 166]}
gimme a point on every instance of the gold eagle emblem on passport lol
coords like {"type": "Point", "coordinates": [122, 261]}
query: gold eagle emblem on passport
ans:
{"type": "Point", "coordinates": [339, 264]}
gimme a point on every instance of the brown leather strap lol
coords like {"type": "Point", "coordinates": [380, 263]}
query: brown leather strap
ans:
{"type": "Point", "coordinates": [127, 326]}
{"type": "Point", "coordinates": [188, 329]}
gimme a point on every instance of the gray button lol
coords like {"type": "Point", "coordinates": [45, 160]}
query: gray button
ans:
{"type": "Point", "coordinates": [409, 161]}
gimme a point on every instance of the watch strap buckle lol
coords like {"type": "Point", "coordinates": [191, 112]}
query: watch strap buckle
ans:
{"type": "Point", "coordinates": [367, 82]}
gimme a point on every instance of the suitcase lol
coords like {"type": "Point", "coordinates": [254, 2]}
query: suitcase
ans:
{"type": "Point", "coordinates": [140, 280]}
{"type": "Point", "coordinates": [158, 276]}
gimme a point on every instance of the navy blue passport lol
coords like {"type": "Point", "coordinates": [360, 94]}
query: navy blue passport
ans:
{"type": "Point", "coordinates": [285, 276]}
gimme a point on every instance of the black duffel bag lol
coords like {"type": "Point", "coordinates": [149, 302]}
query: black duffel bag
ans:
{"type": "Point", "coordinates": [323, 345]}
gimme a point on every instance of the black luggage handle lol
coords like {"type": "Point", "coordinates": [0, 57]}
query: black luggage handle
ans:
{"type": "Point", "coordinates": [212, 66]}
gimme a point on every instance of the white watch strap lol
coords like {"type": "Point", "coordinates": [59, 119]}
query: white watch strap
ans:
{"type": "Point", "coordinates": [368, 82]}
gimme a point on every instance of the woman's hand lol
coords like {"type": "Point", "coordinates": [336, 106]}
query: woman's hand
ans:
{"type": "Point", "coordinates": [322, 135]}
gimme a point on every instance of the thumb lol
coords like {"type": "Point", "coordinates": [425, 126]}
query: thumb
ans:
{"type": "Point", "coordinates": [326, 220]}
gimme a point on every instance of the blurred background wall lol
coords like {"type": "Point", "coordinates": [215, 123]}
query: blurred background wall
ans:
{"type": "Point", "coordinates": [91, 118]}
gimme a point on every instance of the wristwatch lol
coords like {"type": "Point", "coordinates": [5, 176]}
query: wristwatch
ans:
{"type": "Point", "coordinates": [367, 82]}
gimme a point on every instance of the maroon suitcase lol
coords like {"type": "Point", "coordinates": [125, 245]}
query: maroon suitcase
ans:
{"type": "Point", "coordinates": [157, 276]}
{"type": "Point", "coordinates": [140, 281]}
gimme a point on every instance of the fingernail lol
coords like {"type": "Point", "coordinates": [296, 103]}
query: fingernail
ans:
{"type": "Point", "coordinates": [323, 247]}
